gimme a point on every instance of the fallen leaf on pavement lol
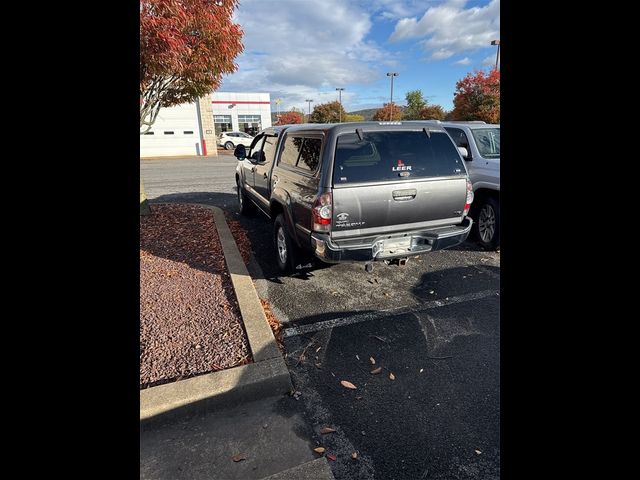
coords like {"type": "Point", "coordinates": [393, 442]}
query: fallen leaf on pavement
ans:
{"type": "Point", "coordinates": [331, 457]}
{"type": "Point", "coordinates": [372, 360]}
{"type": "Point", "coordinates": [392, 376]}
{"type": "Point", "coordinates": [239, 457]}
{"type": "Point", "coordinates": [376, 371]}
{"type": "Point", "coordinates": [357, 357]}
{"type": "Point", "coordinates": [478, 451]}
{"type": "Point", "coordinates": [327, 430]}
{"type": "Point", "coordinates": [318, 349]}
{"type": "Point", "coordinates": [354, 455]}
{"type": "Point", "coordinates": [318, 365]}
{"type": "Point", "coordinates": [421, 370]}
{"type": "Point", "coordinates": [319, 450]}
{"type": "Point", "coordinates": [346, 384]}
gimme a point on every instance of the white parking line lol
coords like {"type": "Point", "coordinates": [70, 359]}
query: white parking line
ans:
{"type": "Point", "coordinates": [363, 317]}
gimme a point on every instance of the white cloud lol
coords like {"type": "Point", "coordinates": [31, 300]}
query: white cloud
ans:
{"type": "Point", "coordinates": [490, 60]}
{"type": "Point", "coordinates": [395, 9]}
{"type": "Point", "coordinates": [463, 61]}
{"type": "Point", "coordinates": [293, 48]}
{"type": "Point", "coordinates": [451, 28]}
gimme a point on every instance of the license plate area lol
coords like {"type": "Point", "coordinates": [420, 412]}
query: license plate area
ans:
{"type": "Point", "coordinates": [394, 247]}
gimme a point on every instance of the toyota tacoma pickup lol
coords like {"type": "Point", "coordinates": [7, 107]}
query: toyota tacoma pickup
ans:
{"type": "Point", "coordinates": [356, 192]}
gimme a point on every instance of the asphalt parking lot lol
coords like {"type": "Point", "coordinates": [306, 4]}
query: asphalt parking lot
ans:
{"type": "Point", "coordinates": [434, 324]}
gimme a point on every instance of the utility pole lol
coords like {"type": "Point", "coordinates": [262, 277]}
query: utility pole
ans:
{"type": "Point", "coordinates": [309, 116]}
{"type": "Point", "coordinates": [340, 89]}
{"type": "Point", "coordinates": [391, 74]}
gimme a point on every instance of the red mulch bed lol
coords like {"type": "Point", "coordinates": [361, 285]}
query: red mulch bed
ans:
{"type": "Point", "coordinates": [190, 323]}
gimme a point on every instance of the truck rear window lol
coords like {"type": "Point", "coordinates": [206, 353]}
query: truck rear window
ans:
{"type": "Point", "coordinates": [395, 155]}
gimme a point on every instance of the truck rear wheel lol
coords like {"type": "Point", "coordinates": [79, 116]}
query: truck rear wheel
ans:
{"type": "Point", "coordinates": [285, 249]}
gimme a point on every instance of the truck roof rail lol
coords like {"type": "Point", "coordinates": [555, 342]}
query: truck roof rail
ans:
{"type": "Point", "coordinates": [467, 121]}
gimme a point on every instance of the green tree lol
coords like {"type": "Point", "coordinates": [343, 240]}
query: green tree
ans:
{"type": "Point", "coordinates": [415, 104]}
{"type": "Point", "coordinates": [390, 111]}
{"type": "Point", "coordinates": [353, 118]}
{"type": "Point", "coordinates": [432, 112]}
{"type": "Point", "coordinates": [327, 113]}
{"type": "Point", "coordinates": [477, 97]}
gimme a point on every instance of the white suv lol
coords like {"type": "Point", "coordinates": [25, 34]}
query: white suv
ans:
{"type": "Point", "coordinates": [229, 140]}
{"type": "Point", "coordinates": [479, 143]}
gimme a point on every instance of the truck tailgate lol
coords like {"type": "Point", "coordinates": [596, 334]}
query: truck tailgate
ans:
{"type": "Point", "coordinates": [398, 206]}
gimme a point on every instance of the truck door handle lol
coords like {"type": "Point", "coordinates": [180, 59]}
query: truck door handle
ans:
{"type": "Point", "coordinates": [253, 169]}
{"type": "Point", "coordinates": [407, 194]}
{"type": "Point", "coordinates": [265, 175]}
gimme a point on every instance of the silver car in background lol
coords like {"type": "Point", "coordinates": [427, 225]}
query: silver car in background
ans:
{"type": "Point", "coordinates": [479, 145]}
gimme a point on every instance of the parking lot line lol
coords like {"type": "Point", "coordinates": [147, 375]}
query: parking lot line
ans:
{"type": "Point", "coordinates": [363, 317]}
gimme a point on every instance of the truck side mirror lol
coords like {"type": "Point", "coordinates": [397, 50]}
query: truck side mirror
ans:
{"type": "Point", "coordinates": [240, 152]}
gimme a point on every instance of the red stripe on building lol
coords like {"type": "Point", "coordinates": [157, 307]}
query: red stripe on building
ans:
{"type": "Point", "coordinates": [239, 102]}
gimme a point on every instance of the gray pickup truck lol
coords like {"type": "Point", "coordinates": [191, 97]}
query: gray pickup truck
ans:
{"type": "Point", "coordinates": [356, 192]}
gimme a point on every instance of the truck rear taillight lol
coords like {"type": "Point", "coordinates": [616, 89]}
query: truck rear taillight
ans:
{"type": "Point", "coordinates": [322, 211]}
{"type": "Point", "coordinates": [469, 200]}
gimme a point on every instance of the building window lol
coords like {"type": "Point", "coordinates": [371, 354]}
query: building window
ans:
{"type": "Point", "coordinates": [222, 124]}
{"type": "Point", "coordinates": [250, 124]}
{"type": "Point", "coordinates": [188, 132]}
{"type": "Point", "coordinates": [166, 132]}
{"type": "Point", "coordinates": [150, 133]}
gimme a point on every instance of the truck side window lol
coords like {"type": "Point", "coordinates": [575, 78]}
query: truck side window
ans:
{"type": "Point", "coordinates": [269, 150]}
{"type": "Point", "coordinates": [290, 151]}
{"type": "Point", "coordinates": [310, 154]}
{"type": "Point", "coordinates": [256, 148]}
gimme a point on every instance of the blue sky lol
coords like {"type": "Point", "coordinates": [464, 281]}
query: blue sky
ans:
{"type": "Point", "coordinates": [299, 49]}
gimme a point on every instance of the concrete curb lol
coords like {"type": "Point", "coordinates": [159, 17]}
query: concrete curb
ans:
{"type": "Point", "coordinates": [317, 469]}
{"type": "Point", "coordinates": [261, 340]}
{"type": "Point", "coordinates": [268, 375]}
{"type": "Point", "coordinates": [231, 386]}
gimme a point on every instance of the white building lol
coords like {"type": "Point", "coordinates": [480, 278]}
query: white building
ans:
{"type": "Point", "coordinates": [192, 129]}
{"type": "Point", "coordinates": [244, 112]}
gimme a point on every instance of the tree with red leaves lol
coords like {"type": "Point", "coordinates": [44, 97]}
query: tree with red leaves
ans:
{"type": "Point", "coordinates": [432, 112]}
{"type": "Point", "coordinates": [477, 97]}
{"type": "Point", "coordinates": [289, 118]}
{"type": "Point", "coordinates": [185, 48]}
{"type": "Point", "coordinates": [387, 112]}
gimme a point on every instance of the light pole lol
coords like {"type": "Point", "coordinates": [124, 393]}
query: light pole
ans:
{"type": "Point", "coordinates": [309, 101]}
{"type": "Point", "coordinates": [391, 74]}
{"type": "Point", "coordinates": [496, 42]}
{"type": "Point", "coordinates": [278, 102]}
{"type": "Point", "coordinates": [340, 89]}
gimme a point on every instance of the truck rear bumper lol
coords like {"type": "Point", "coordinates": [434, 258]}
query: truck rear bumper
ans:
{"type": "Point", "coordinates": [386, 247]}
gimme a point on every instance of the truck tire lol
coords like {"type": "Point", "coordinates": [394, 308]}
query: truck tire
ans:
{"type": "Point", "coordinates": [285, 248]}
{"type": "Point", "coordinates": [245, 206]}
{"type": "Point", "coordinates": [487, 223]}
{"type": "Point", "coordinates": [229, 145]}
